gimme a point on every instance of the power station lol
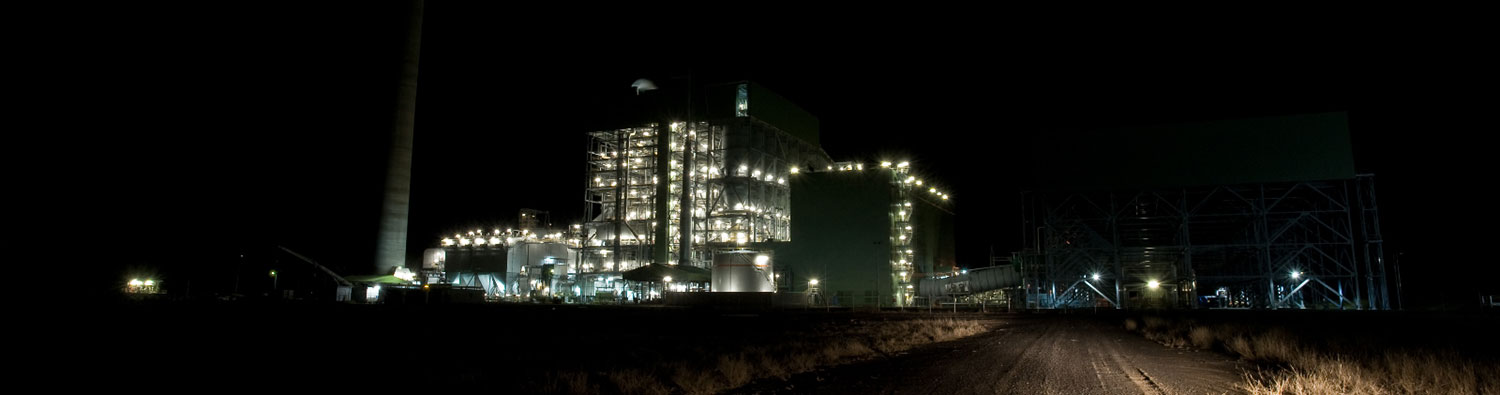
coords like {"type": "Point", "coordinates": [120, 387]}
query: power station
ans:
{"type": "Point", "coordinates": [731, 199]}
{"type": "Point", "coordinates": [744, 200]}
{"type": "Point", "coordinates": [1248, 213]}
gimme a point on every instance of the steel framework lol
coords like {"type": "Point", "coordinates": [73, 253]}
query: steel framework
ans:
{"type": "Point", "coordinates": [1311, 244]}
{"type": "Point", "coordinates": [736, 170]}
{"type": "Point", "coordinates": [906, 250]}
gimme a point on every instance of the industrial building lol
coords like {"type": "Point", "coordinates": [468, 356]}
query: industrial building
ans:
{"type": "Point", "coordinates": [1258, 213]}
{"type": "Point", "coordinates": [1250, 213]}
{"type": "Point", "coordinates": [743, 200]}
{"type": "Point", "coordinates": [867, 233]}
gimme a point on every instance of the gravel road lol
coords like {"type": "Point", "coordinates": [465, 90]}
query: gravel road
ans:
{"type": "Point", "coordinates": [1032, 354]}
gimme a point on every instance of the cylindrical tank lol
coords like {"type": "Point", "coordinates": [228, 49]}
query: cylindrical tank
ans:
{"type": "Point", "coordinates": [742, 271]}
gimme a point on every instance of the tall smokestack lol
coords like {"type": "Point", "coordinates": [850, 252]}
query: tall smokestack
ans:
{"type": "Point", "coordinates": [390, 251]}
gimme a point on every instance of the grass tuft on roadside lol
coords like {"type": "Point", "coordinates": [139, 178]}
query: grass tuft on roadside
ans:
{"type": "Point", "coordinates": [1297, 363]}
{"type": "Point", "coordinates": [826, 345]}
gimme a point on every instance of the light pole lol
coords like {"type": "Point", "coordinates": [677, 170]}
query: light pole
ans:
{"type": "Point", "coordinates": [274, 281]}
{"type": "Point", "coordinates": [812, 288]}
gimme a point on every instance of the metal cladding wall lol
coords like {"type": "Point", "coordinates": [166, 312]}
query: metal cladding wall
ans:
{"type": "Point", "coordinates": [1245, 151]}
{"type": "Point", "coordinates": [488, 259]}
{"type": "Point", "coordinates": [840, 236]}
{"type": "Point", "coordinates": [936, 250]}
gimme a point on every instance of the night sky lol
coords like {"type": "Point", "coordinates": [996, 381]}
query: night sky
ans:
{"type": "Point", "coordinates": [259, 127]}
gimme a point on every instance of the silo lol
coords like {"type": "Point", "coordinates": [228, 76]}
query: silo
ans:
{"type": "Point", "coordinates": [742, 271]}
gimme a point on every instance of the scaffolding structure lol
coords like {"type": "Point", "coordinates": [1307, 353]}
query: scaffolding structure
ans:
{"type": "Point", "coordinates": [643, 209]}
{"type": "Point", "coordinates": [903, 256]}
{"type": "Point", "coordinates": [1309, 244]}
{"type": "Point", "coordinates": [905, 187]}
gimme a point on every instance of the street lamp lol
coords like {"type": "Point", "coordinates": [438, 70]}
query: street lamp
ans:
{"type": "Point", "coordinates": [1153, 284]}
{"type": "Point", "coordinates": [274, 280]}
{"type": "Point", "coordinates": [812, 289]}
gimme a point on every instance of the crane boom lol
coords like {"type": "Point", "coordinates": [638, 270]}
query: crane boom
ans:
{"type": "Point", "coordinates": [336, 277]}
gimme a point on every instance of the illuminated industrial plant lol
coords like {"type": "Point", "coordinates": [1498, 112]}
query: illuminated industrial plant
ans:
{"type": "Point", "coordinates": [709, 203]}
{"type": "Point", "coordinates": [743, 202]}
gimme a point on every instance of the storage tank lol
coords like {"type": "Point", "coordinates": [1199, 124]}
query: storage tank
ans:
{"type": "Point", "coordinates": [742, 271]}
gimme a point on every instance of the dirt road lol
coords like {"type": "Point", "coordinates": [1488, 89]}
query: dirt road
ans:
{"type": "Point", "coordinates": [1028, 354]}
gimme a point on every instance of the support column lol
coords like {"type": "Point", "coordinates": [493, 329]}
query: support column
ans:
{"type": "Point", "coordinates": [662, 216]}
{"type": "Point", "coordinates": [1114, 249]}
{"type": "Point", "coordinates": [685, 220]}
{"type": "Point", "coordinates": [621, 182]}
{"type": "Point", "coordinates": [1263, 238]}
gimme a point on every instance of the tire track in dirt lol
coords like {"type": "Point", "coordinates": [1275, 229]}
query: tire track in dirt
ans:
{"type": "Point", "coordinates": [1025, 354]}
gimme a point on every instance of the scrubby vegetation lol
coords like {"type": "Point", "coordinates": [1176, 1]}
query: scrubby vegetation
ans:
{"type": "Point", "coordinates": [801, 351]}
{"type": "Point", "coordinates": [1330, 353]}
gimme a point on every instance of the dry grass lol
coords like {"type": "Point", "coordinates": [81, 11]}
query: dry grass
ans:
{"type": "Point", "coordinates": [1291, 363]}
{"type": "Point", "coordinates": [569, 382]}
{"type": "Point", "coordinates": [821, 347]}
{"type": "Point", "coordinates": [736, 369]}
{"type": "Point", "coordinates": [1397, 373]}
{"type": "Point", "coordinates": [636, 382]}
{"type": "Point", "coordinates": [694, 379]}
{"type": "Point", "coordinates": [766, 364]}
{"type": "Point", "coordinates": [1202, 337]}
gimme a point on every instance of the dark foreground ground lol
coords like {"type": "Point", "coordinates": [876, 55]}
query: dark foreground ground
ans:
{"type": "Point", "coordinates": [1088, 353]}
{"type": "Point", "coordinates": [493, 348]}
{"type": "Point", "coordinates": [1032, 354]}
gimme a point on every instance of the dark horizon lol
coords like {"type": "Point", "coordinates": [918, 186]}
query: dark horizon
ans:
{"type": "Point", "coordinates": [278, 130]}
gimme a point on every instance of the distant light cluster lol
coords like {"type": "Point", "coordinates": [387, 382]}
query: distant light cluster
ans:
{"type": "Point", "coordinates": [500, 237]}
{"type": "Point", "coordinates": [902, 168]}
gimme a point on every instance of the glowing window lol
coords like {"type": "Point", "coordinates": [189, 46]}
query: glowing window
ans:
{"type": "Point", "coordinates": [742, 101]}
